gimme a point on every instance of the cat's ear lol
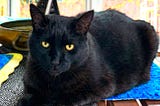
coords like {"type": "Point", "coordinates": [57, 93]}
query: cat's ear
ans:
{"type": "Point", "coordinates": [38, 18]}
{"type": "Point", "coordinates": [84, 21]}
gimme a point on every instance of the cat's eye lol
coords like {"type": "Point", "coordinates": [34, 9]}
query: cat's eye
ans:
{"type": "Point", "coordinates": [69, 47]}
{"type": "Point", "coordinates": [45, 44]}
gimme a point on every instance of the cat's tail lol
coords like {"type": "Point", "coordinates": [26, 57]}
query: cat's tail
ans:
{"type": "Point", "coordinates": [149, 42]}
{"type": "Point", "coordinates": [149, 38]}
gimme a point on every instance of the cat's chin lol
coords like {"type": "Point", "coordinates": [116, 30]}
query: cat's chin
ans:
{"type": "Point", "coordinates": [55, 73]}
{"type": "Point", "coordinates": [59, 69]}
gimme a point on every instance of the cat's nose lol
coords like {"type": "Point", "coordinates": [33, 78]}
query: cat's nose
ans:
{"type": "Point", "coordinates": [56, 62]}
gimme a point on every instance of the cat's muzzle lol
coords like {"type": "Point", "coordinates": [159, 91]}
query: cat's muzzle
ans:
{"type": "Point", "coordinates": [55, 71]}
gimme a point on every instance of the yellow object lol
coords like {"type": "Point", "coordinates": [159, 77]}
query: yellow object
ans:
{"type": "Point", "coordinates": [70, 47]}
{"type": "Point", "coordinates": [45, 44]}
{"type": "Point", "coordinates": [10, 66]}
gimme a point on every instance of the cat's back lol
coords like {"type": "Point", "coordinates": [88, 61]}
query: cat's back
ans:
{"type": "Point", "coordinates": [110, 16]}
{"type": "Point", "coordinates": [112, 29]}
{"type": "Point", "coordinates": [123, 40]}
{"type": "Point", "coordinates": [109, 20]}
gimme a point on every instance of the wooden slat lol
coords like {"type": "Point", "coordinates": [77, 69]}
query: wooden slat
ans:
{"type": "Point", "coordinates": [158, 54]}
{"type": "Point", "coordinates": [123, 103]}
{"type": "Point", "coordinates": [150, 103]}
{"type": "Point", "coordinates": [102, 103]}
{"type": "Point", "coordinates": [130, 103]}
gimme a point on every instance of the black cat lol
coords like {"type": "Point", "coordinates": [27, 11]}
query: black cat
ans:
{"type": "Point", "coordinates": [76, 61]}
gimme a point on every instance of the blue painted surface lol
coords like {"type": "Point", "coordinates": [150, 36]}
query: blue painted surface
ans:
{"type": "Point", "coordinates": [4, 59]}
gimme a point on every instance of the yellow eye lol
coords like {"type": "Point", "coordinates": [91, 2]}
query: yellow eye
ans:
{"type": "Point", "coordinates": [69, 47]}
{"type": "Point", "coordinates": [45, 44]}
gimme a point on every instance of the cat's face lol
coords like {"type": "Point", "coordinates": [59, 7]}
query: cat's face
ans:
{"type": "Point", "coordinates": [58, 43]}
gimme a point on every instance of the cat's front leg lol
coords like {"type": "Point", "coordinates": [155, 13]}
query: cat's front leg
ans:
{"type": "Point", "coordinates": [31, 100]}
{"type": "Point", "coordinates": [91, 104]}
{"type": "Point", "coordinates": [86, 103]}
{"type": "Point", "coordinates": [25, 100]}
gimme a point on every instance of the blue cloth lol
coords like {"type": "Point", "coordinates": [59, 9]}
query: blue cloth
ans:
{"type": "Point", "coordinates": [4, 59]}
{"type": "Point", "coordinates": [149, 90]}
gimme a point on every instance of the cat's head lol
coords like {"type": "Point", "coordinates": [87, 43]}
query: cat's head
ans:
{"type": "Point", "coordinates": [59, 43]}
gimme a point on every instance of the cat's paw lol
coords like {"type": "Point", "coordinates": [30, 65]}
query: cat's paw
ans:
{"type": "Point", "coordinates": [86, 103]}
{"type": "Point", "coordinates": [25, 101]}
{"type": "Point", "coordinates": [91, 104]}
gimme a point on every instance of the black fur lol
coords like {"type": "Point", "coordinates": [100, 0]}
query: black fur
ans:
{"type": "Point", "coordinates": [112, 54]}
